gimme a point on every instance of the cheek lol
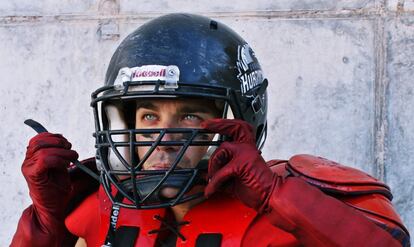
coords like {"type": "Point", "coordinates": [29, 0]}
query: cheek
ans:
{"type": "Point", "coordinates": [141, 151]}
{"type": "Point", "coordinates": [194, 154]}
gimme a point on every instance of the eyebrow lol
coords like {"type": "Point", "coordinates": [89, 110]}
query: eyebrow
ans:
{"type": "Point", "coordinates": [147, 105]}
{"type": "Point", "coordinates": [201, 109]}
{"type": "Point", "coordinates": [197, 108]}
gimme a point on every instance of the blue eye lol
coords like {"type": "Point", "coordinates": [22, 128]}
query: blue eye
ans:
{"type": "Point", "coordinates": [191, 117]}
{"type": "Point", "coordinates": [149, 117]}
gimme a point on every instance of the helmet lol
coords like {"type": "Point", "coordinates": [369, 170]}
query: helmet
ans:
{"type": "Point", "coordinates": [173, 56]}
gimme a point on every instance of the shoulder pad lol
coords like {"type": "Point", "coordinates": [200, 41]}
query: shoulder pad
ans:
{"type": "Point", "coordinates": [82, 184]}
{"type": "Point", "coordinates": [278, 167]}
{"type": "Point", "coordinates": [335, 178]}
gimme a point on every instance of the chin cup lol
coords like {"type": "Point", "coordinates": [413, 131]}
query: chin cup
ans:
{"type": "Point", "coordinates": [149, 192]}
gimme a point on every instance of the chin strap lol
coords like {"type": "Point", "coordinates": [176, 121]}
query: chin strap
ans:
{"type": "Point", "coordinates": [110, 240]}
{"type": "Point", "coordinates": [39, 128]}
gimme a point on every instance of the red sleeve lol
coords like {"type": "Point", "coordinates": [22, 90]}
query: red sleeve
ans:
{"type": "Point", "coordinates": [30, 232]}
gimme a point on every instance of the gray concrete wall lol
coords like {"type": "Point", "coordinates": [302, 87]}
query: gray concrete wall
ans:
{"type": "Point", "coordinates": [340, 79]}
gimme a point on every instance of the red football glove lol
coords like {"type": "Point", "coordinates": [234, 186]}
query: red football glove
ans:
{"type": "Point", "coordinates": [240, 162]}
{"type": "Point", "coordinates": [45, 170]}
{"type": "Point", "coordinates": [291, 204]}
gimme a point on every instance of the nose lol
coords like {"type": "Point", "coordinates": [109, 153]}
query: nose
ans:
{"type": "Point", "coordinates": [170, 136]}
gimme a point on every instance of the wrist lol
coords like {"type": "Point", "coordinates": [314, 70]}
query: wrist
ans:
{"type": "Point", "coordinates": [265, 208]}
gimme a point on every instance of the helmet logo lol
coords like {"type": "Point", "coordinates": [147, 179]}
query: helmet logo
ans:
{"type": "Point", "coordinates": [147, 72]}
{"type": "Point", "coordinates": [169, 74]}
{"type": "Point", "coordinates": [250, 73]}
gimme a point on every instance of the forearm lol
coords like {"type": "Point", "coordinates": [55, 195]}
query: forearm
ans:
{"type": "Point", "coordinates": [317, 219]}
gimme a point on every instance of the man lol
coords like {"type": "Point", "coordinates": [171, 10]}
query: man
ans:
{"type": "Point", "coordinates": [179, 125]}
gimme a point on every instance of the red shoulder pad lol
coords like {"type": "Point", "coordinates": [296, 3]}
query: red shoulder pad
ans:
{"type": "Point", "coordinates": [335, 178]}
{"type": "Point", "coordinates": [354, 187]}
{"type": "Point", "coordinates": [82, 184]}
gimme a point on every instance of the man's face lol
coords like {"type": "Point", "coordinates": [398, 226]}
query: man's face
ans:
{"type": "Point", "coordinates": [172, 113]}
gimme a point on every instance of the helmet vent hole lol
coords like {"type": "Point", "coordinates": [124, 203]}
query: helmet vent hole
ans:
{"type": "Point", "coordinates": [213, 25]}
{"type": "Point", "coordinates": [254, 118]}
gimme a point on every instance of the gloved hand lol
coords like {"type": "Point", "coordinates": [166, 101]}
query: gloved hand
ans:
{"type": "Point", "coordinates": [288, 203]}
{"type": "Point", "coordinates": [45, 170]}
{"type": "Point", "coordinates": [240, 162]}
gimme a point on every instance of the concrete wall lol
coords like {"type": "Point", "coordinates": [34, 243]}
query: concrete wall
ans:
{"type": "Point", "coordinates": [339, 72]}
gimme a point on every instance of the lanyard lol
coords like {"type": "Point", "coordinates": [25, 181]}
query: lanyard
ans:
{"type": "Point", "coordinates": [110, 236]}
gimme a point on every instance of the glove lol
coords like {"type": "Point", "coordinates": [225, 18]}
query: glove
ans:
{"type": "Point", "coordinates": [45, 170]}
{"type": "Point", "coordinates": [240, 162]}
{"type": "Point", "coordinates": [291, 204]}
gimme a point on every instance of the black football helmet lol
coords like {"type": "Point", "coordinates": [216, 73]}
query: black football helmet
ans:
{"type": "Point", "coordinates": [173, 56]}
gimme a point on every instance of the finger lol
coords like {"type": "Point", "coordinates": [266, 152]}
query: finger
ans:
{"type": "Point", "coordinates": [53, 158]}
{"type": "Point", "coordinates": [53, 169]}
{"type": "Point", "coordinates": [47, 140]}
{"type": "Point", "coordinates": [239, 130]}
{"type": "Point", "coordinates": [38, 168]}
{"type": "Point", "coordinates": [219, 158]}
{"type": "Point", "coordinates": [69, 155]}
{"type": "Point", "coordinates": [55, 163]}
{"type": "Point", "coordinates": [221, 176]}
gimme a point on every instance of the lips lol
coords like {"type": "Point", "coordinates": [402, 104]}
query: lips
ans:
{"type": "Point", "coordinates": [159, 167]}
